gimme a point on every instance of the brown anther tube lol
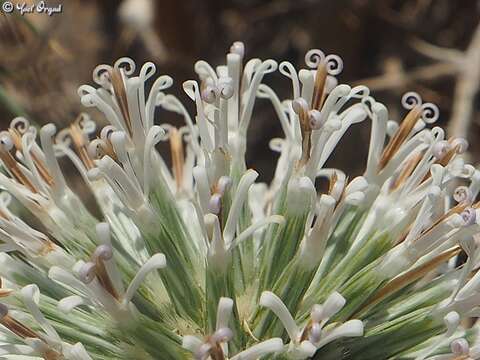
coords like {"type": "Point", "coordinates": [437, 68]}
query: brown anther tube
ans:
{"type": "Point", "coordinates": [319, 87]}
{"type": "Point", "coordinates": [121, 96]}
{"type": "Point", "coordinates": [52, 355]}
{"type": "Point", "coordinates": [449, 155]}
{"type": "Point", "coordinates": [444, 160]}
{"type": "Point", "coordinates": [216, 352]}
{"type": "Point", "coordinates": [80, 144]}
{"type": "Point", "coordinates": [18, 328]}
{"type": "Point", "coordinates": [407, 170]}
{"type": "Point", "coordinates": [42, 169]}
{"type": "Point", "coordinates": [306, 132]}
{"type": "Point", "coordinates": [332, 180]}
{"type": "Point", "coordinates": [110, 151]}
{"type": "Point", "coordinates": [176, 149]}
{"type": "Point", "coordinates": [306, 331]}
{"type": "Point", "coordinates": [12, 166]}
{"type": "Point", "coordinates": [402, 133]}
{"type": "Point", "coordinates": [457, 209]}
{"type": "Point", "coordinates": [409, 277]}
{"type": "Point", "coordinates": [24, 332]}
{"type": "Point", "coordinates": [104, 278]}
{"type": "Point", "coordinates": [5, 292]}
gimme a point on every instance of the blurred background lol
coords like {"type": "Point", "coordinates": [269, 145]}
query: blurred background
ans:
{"type": "Point", "coordinates": [428, 46]}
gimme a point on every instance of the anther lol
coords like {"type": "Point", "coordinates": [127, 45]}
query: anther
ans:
{"type": "Point", "coordinates": [238, 48]}
{"type": "Point", "coordinates": [215, 204]}
{"type": "Point", "coordinates": [106, 132]}
{"type": "Point", "coordinates": [300, 107]}
{"type": "Point", "coordinates": [209, 93]}
{"type": "Point", "coordinates": [120, 93]}
{"type": "Point", "coordinates": [315, 332]}
{"type": "Point", "coordinates": [440, 149]}
{"type": "Point", "coordinates": [15, 326]}
{"type": "Point", "coordinates": [460, 347]}
{"type": "Point", "coordinates": [400, 136]}
{"type": "Point", "coordinates": [6, 142]}
{"type": "Point", "coordinates": [225, 87]}
{"type": "Point", "coordinates": [3, 311]}
{"type": "Point", "coordinates": [176, 149]}
{"type": "Point", "coordinates": [101, 254]}
{"type": "Point", "coordinates": [223, 185]}
{"type": "Point", "coordinates": [469, 216]}
{"type": "Point", "coordinates": [6, 145]}
{"type": "Point", "coordinates": [203, 351]}
{"type": "Point", "coordinates": [80, 143]}
{"type": "Point", "coordinates": [87, 272]}
{"type": "Point", "coordinates": [460, 144]}
{"type": "Point", "coordinates": [315, 119]}
{"type": "Point", "coordinates": [222, 335]}
{"type": "Point", "coordinates": [319, 87]}
{"type": "Point", "coordinates": [462, 194]}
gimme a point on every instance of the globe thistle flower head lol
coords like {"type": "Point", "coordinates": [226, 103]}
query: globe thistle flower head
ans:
{"type": "Point", "coordinates": [193, 257]}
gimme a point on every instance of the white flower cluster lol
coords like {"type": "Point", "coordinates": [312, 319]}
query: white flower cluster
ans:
{"type": "Point", "coordinates": [194, 258]}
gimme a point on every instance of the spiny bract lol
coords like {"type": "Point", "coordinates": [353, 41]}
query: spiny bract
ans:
{"type": "Point", "coordinates": [201, 261]}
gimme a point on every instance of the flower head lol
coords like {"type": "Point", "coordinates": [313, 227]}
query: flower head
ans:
{"type": "Point", "coordinates": [193, 257]}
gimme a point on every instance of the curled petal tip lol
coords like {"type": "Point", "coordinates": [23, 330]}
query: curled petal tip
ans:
{"type": "Point", "coordinates": [87, 272]}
